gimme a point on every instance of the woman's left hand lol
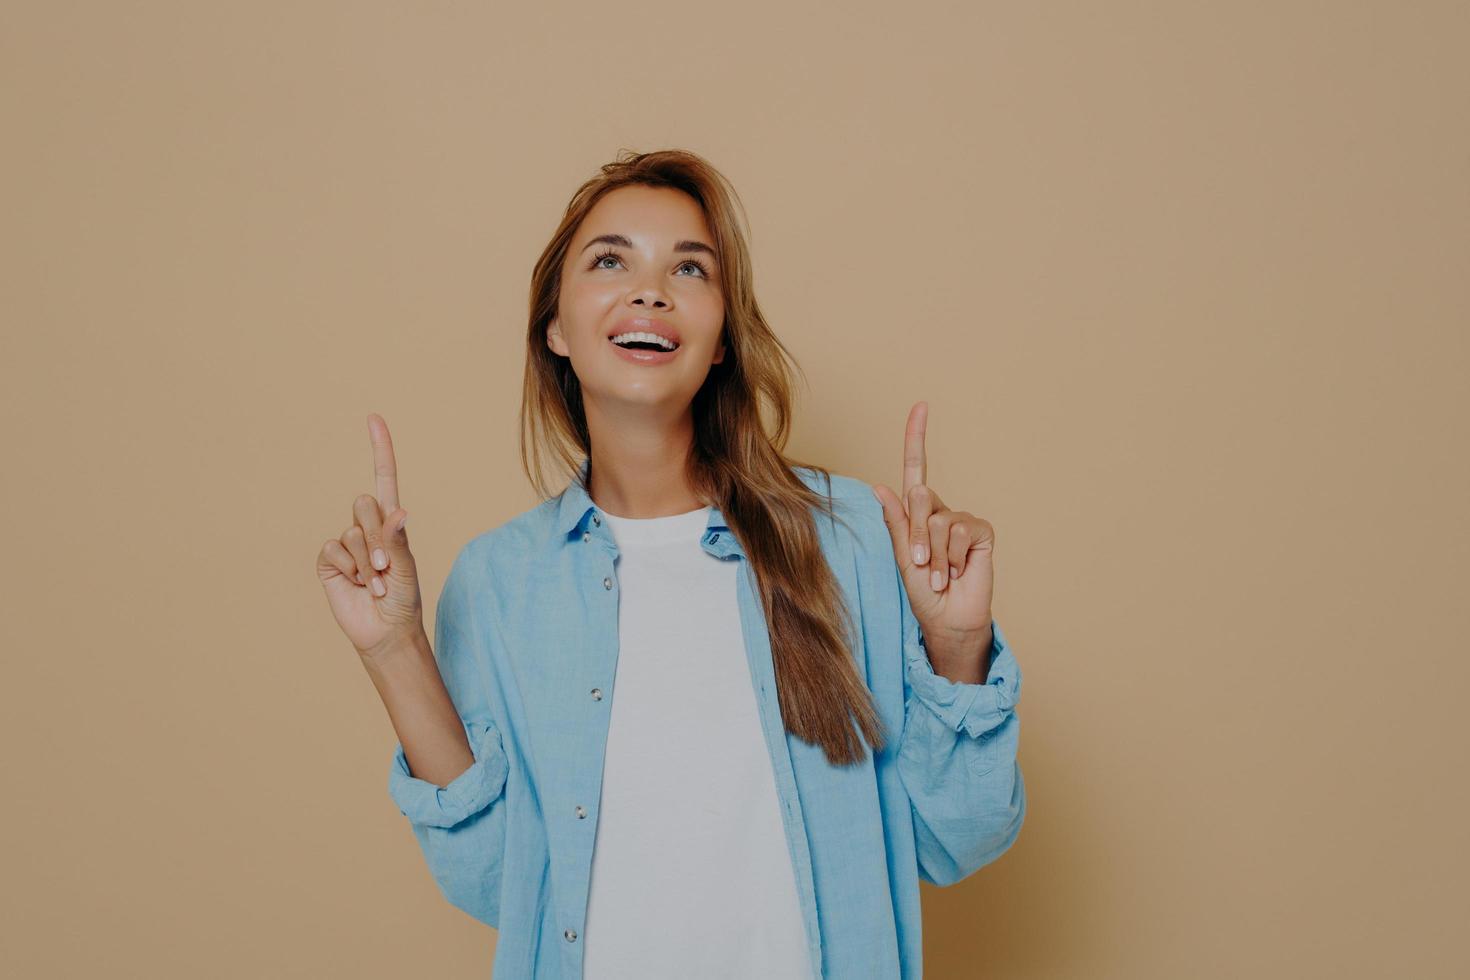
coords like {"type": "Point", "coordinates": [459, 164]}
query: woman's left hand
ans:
{"type": "Point", "coordinates": [944, 556]}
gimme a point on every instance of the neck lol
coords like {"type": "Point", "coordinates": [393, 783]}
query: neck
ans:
{"type": "Point", "coordinates": [641, 474]}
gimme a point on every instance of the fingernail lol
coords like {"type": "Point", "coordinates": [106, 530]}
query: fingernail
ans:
{"type": "Point", "coordinates": [358, 576]}
{"type": "Point", "coordinates": [936, 579]}
{"type": "Point", "coordinates": [954, 572]}
{"type": "Point", "coordinates": [380, 560]}
{"type": "Point", "coordinates": [921, 554]}
{"type": "Point", "coordinates": [402, 521]}
{"type": "Point", "coordinates": [378, 587]}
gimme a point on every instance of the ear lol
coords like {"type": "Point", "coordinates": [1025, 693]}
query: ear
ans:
{"type": "Point", "coordinates": [554, 338]}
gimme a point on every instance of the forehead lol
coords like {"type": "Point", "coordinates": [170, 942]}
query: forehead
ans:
{"type": "Point", "coordinates": [653, 217]}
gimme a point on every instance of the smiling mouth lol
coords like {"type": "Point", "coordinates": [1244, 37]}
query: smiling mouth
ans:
{"type": "Point", "coordinates": [645, 345]}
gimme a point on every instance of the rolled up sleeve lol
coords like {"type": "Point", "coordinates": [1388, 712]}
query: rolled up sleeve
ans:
{"type": "Point", "coordinates": [976, 710]}
{"type": "Point", "coordinates": [461, 827]}
{"type": "Point", "coordinates": [957, 758]}
{"type": "Point", "coordinates": [957, 752]}
{"type": "Point", "coordinates": [423, 802]}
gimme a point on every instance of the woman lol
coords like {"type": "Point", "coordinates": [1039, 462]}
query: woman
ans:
{"type": "Point", "coordinates": [811, 712]}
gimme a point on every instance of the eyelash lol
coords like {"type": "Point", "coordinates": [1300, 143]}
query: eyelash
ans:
{"type": "Point", "coordinates": [614, 255]}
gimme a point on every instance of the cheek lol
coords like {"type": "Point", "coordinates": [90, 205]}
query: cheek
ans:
{"type": "Point", "coordinates": [706, 307]}
{"type": "Point", "coordinates": [585, 307]}
{"type": "Point", "coordinates": [589, 295]}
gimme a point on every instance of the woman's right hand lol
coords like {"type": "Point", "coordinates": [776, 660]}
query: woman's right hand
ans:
{"type": "Point", "coordinates": [376, 623]}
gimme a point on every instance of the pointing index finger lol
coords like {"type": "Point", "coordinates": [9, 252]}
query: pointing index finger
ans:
{"type": "Point", "coordinates": [385, 468]}
{"type": "Point", "coordinates": [915, 459]}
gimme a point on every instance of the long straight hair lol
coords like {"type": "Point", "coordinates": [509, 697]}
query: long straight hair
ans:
{"type": "Point", "coordinates": [735, 464]}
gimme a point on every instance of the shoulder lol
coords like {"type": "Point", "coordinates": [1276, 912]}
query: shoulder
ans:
{"type": "Point", "coordinates": [507, 546]}
{"type": "Point", "coordinates": [842, 487]}
{"type": "Point", "coordinates": [853, 502]}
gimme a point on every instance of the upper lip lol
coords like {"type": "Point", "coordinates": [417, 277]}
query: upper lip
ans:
{"type": "Point", "coordinates": [645, 324]}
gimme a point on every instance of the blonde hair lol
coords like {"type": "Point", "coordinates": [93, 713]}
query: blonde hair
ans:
{"type": "Point", "coordinates": [735, 465]}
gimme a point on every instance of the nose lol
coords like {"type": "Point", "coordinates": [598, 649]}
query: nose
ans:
{"type": "Point", "coordinates": [648, 295]}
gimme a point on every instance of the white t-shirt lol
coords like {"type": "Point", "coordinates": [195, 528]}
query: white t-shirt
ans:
{"type": "Point", "coordinates": [691, 876]}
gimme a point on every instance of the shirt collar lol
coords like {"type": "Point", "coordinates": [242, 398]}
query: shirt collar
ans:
{"type": "Point", "coordinates": [575, 508]}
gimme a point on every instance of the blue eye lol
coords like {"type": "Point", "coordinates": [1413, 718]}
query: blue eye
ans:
{"type": "Point", "coordinates": [597, 262]}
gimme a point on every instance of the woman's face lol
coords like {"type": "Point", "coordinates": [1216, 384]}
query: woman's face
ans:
{"type": "Point", "coordinates": [641, 262]}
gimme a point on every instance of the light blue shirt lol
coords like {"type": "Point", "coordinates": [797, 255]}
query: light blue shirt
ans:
{"type": "Point", "coordinates": [526, 638]}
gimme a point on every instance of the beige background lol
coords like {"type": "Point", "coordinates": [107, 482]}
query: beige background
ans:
{"type": "Point", "coordinates": [1184, 284]}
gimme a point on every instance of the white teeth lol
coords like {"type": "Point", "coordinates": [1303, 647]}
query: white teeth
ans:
{"type": "Point", "coordinates": [663, 342]}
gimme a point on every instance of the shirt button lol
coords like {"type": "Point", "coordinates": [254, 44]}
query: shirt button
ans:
{"type": "Point", "coordinates": [571, 935]}
{"type": "Point", "coordinates": [581, 813]}
{"type": "Point", "coordinates": [586, 535]}
{"type": "Point", "coordinates": [714, 537]}
{"type": "Point", "coordinates": [597, 694]}
{"type": "Point", "coordinates": [596, 520]}
{"type": "Point", "coordinates": [606, 583]}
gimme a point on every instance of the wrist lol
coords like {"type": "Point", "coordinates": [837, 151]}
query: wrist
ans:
{"type": "Point", "coordinates": [963, 659]}
{"type": "Point", "coordinates": [395, 651]}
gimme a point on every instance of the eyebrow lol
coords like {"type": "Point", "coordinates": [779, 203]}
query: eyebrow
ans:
{"type": "Point", "coordinates": [622, 240]}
